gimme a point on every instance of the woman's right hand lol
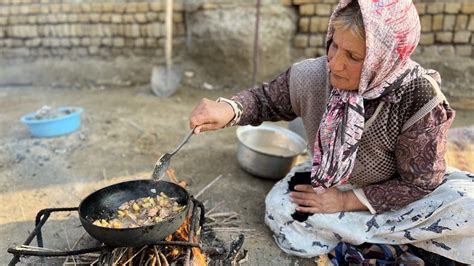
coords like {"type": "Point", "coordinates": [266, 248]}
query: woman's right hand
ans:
{"type": "Point", "coordinates": [210, 115]}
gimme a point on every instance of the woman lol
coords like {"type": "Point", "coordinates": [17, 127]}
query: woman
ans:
{"type": "Point", "coordinates": [379, 124]}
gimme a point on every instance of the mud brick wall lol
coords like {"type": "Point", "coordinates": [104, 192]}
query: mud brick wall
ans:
{"type": "Point", "coordinates": [447, 27]}
{"type": "Point", "coordinates": [43, 28]}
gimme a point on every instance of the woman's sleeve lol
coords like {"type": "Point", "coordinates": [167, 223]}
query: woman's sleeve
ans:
{"type": "Point", "coordinates": [420, 163]}
{"type": "Point", "coordinates": [268, 102]}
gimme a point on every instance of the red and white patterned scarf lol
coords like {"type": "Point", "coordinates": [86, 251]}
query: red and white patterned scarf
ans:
{"type": "Point", "coordinates": [392, 30]}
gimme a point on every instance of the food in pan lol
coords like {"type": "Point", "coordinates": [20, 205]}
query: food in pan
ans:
{"type": "Point", "coordinates": [142, 212]}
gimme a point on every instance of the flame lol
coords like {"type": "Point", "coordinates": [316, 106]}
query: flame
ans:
{"type": "Point", "coordinates": [171, 174]}
{"type": "Point", "coordinates": [182, 234]}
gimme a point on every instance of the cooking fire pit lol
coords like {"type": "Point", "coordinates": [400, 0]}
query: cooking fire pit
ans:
{"type": "Point", "coordinates": [185, 240]}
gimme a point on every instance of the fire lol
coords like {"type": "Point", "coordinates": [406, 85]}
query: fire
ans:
{"type": "Point", "coordinates": [182, 234]}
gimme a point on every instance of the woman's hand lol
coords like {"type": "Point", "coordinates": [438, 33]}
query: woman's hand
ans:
{"type": "Point", "coordinates": [332, 200]}
{"type": "Point", "coordinates": [210, 115]}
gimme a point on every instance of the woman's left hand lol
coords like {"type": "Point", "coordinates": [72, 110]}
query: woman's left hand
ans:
{"type": "Point", "coordinates": [330, 201]}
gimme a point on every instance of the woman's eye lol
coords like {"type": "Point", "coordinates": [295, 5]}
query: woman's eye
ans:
{"type": "Point", "coordinates": [354, 58]}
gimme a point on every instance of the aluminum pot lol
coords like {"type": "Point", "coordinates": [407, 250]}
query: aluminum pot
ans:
{"type": "Point", "coordinates": [268, 151]}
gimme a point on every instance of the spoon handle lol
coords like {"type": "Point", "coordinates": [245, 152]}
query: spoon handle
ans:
{"type": "Point", "coordinates": [188, 136]}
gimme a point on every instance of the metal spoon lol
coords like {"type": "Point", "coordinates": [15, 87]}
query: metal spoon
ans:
{"type": "Point", "coordinates": [164, 162]}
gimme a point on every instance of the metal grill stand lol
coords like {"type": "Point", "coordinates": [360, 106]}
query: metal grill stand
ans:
{"type": "Point", "coordinates": [44, 214]}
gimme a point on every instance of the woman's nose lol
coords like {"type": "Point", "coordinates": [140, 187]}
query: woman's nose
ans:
{"type": "Point", "coordinates": [336, 63]}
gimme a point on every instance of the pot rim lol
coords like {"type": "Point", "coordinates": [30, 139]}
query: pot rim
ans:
{"type": "Point", "coordinates": [290, 134]}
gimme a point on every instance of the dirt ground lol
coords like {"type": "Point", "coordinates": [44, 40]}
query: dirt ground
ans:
{"type": "Point", "coordinates": [123, 132]}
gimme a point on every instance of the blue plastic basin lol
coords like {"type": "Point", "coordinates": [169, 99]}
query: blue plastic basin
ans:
{"type": "Point", "coordinates": [56, 126]}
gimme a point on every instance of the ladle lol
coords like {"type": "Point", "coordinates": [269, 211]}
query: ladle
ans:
{"type": "Point", "coordinates": [164, 161]}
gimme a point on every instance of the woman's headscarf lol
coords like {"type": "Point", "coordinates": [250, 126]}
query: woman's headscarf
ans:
{"type": "Point", "coordinates": [392, 30]}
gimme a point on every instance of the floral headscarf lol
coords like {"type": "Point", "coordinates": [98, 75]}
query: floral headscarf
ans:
{"type": "Point", "coordinates": [392, 30]}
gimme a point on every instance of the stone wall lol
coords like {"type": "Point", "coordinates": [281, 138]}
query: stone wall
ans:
{"type": "Point", "coordinates": [447, 27]}
{"type": "Point", "coordinates": [42, 28]}
{"type": "Point", "coordinates": [119, 41]}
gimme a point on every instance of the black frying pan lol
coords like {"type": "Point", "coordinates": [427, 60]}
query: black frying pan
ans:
{"type": "Point", "coordinates": [103, 204]}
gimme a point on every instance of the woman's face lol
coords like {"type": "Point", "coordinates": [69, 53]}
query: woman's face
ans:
{"type": "Point", "coordinates": [346, 56]}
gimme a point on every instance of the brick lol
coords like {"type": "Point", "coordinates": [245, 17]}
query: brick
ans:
{"type": "Point", "coordinates": [86, 7]}
{"type": "Point", "coordinates": [64, 42]}
{"type": "Point", "coordinates": [427, 39]}
{"type": "Point", "coordinates": [143, 7]}
{"type": "Point", "coordinates": [44, 9]}
{"type": "Point", "coordinates": [463, 50]}
{"type": "Point", "coordinates": [151, 42]}
{"type": "Point", "coordinates": [131, 8]}
{"type": "Point", "coordinates": [437, 22]}
{"type": "Point", "coordinates": [449, 22]}
{"type": "Point", "coordinates": [105, 18]}
{"type": "Point", "coordinates": [461, 22]}
{"type": "Point", "coordinates": [83, 18]}
{"type": "Point", "coordinates": [120, 7]}
{"type": "Point", "coordinates": [4, 11]}
{"type": "Point", "coordinates": [470, 26]}
{"type": "Point", "coordinates": [73, 18]}
{"type": "Point", "coordinates": [95, 18]}
{"type": "Point", "coordinates": [139, 42]}
{"type": "Point", "coordinates": [127, 18]}
{"type": "Point", "coordinates": [421, 8]}
{"type": "Point", "coordinates": [85, 41]}
{"type": "Point", "coordinates": [66, 8]}
{"type": "Point", "coordinates": [35, 9]}
{"type": "Point", "coordinates": [129, 42]}
{"type": "Point", "coordinates": [107, 41]}
{"type": "Point", "coordinates": [179, 29]}
{"type": "Point", "coordinates": [425, 23]}
{"type": "Point", "coordinates": [95, 41]}
{"type": "Point", "coordinates": [93, 50]}
{"type": "Point", "coordinates": [55, 8]}
{"type": "Point", "coordinates": [61, 18]}
{"type": "Point", "coordinates": [435, 8]}
{"type": "Point", "coordinates": [310, 52]}
{"type": "Point", "coordinates": [323, 9]}
{"type": "Point", "coordinates": [300, 2]}
{"type": "Point", "coordinates": [108, 7]}
{"type": "Point", "coordinates": [303, 24]}
{"type": "Point", "coordinates": [156, 6]}
{"type": "Point", "coordinates": [178, 17]}
{"type": "Point", "coordinates": [316, 40]}
{"type": "Point", "coordinates": [286, 2]}
{"type": "Point", "coordinates": [155, 30]}
{"type": "Point", "coordinates": [452, 8]}
{"type": "Point", "coordinates": [462, 36]}
{"type": "Point", "coordinates": [444, 37]}
{"type": "Point", "coordinates": [32, 19]}
{"type": "Point", "coordinates": [300, 41]}
{"type": "Point", "coordinates": [76, 8]}
{"type": "Point", "coordinates": [152, 16]}
{"type": "Point", "coordinates": [132, 30]}
{"type": "Point", "coordinates": [467, 7]}
{"type": "Point", "coordinates": [318, 24]}
{"type": "Point", "coordinates": [118, 42]}
{"type": "Point", "coordinates": [307, 9]}
{"type": "Point", "coordinates": [96, 7]}
{"type": "Point", "coordinates": [140, 18]}
{"type": "Point", "coordinates": [116, 19]}
{"type": "Point", "coordinates": [3, 20]}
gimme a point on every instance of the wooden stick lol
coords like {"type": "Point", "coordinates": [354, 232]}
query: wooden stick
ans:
{"type": "Point", "coordinates": [233, 229]}
{"type": "Point", "coordinates": [165, 261]}
{"type": "Point", "coordinates": [208, 186]}
{"type": "Point", "coordinates": [222, 214]}
{"type": "Point", "coordinates": [213, 208]}
{"type": "Point", "coordinates": [129, 260]}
